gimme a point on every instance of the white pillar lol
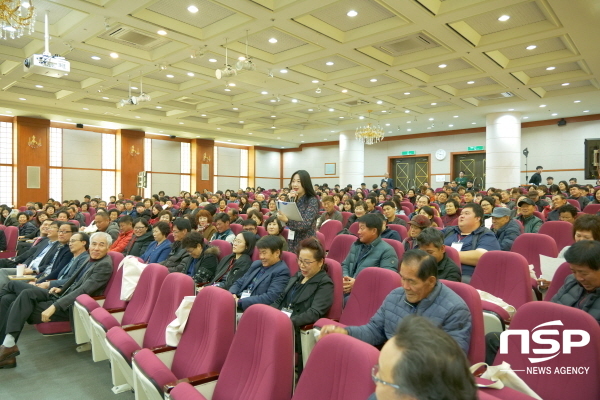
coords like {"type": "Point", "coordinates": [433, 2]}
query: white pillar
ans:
{"type": "Point", "coordinates": [503, 149]}
{"type": "Point", "coordinates": [352, 160]}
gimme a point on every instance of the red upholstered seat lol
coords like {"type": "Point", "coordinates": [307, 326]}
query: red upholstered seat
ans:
{"type": "Point", "coordinates": [291, 260]}
{"type": "Point", "coordinates": [330, 229]}
{"type": "Point", "coordinates": [225, 248]}
{"type": "Point", "coordinates": [340, 247]}
{"type": "Point", "coordinates": [560, 231]}
{"type": "Point", "coordinates": [398, 248]}
{"type": "Point", "coordinates": [558, 280]}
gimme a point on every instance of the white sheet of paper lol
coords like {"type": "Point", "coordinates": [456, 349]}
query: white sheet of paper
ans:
{"type": "Point", "coordinates": [549, 265]}
{"type": "Point", "coordinates": [290, 209]}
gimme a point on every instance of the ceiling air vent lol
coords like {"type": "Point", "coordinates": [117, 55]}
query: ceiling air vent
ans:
{"type": "Point", "coordinates": [188, 100]}
{"type": "Point", "coordinates": [133, 38]}
{"type": "Point", "coordinates": [406, 45]}
{"type": "Point", "coordinates": [495, 96]}
{"type": "Point", "coordinates": [358, 102]}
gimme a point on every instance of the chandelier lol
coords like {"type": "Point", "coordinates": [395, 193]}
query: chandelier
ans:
{"type": "Point", "coordinates": [370, 133]}
{"type": "Point", "coordinates": [16, 16]}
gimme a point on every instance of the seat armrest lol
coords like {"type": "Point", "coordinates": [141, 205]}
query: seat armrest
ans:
{"type": "Point", "coordinates": [116, 310]}
{"type": "Point", "coordinates": [193, 380]}
{"type": "Point", "coordinates": [99, 298]}
{"type": "Point", "coordinates": [162, 349]}
{"type": "Point", "coordinates": [306, 327]}
{"type": "Point", "coordinates": [134, 327]}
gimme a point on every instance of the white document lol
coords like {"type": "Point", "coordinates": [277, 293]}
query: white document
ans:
{"type": "Point", "coordinates": [290, 209]}
{"type": "Point", "coordinates": [549, 265]}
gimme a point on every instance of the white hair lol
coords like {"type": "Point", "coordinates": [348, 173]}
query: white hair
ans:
{"type": "Point", "coordinates": [107, 237]}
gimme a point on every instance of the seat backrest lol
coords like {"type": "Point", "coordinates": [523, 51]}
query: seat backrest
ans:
{"type": "Point", "coordinates": [236, 228]}
{"type": "Point", "coordinates": [452, 253]}
{"type": "Point", "coordinates": [291, 260]}
{"type": "Point", "coordinates": [470, 295]}
{"type": "Point", "coordinates": [575, 203]}
{"type": "Point", "coordinates": [12, 236]}
{"type": "Point", "coordinates": [261, 231]}
{"type": "Point", "coordinates": [321, 238]}
{"type": "Point", "coordinates": [285, 233]}
{"type": "Point", "coordinates": [336, 353]}
{"type": "Point", "coordinates": [504, 274]}
{"type": "Point", "coordinates": [532, 245]}
{"type": "Point", "coordinates": [438, 221]}
{"type": "Point", "coordinates": [552, 386]}
{"type": "Point", "coordinates": [591, 209]}
{"type": "Point", "coordinates": [260, 362]}
{"type": "Point", "coordinates": [334, 270]}
{"type": "Point", "coordinates": [409, 205]}
{"type": "Point", "coordinates": [330, 229]}
{"type": "Point", "coordinates": [74, 222]}
{"type": "Point", "coordinates": [233, 205]}
{"type": "Point", "coordinates": [208, 334]}
{"type": "Point", "coordinates": [255, 254]}
{"type": "Point", "coordinates": [112, 292]}
{"type": "Point", "coordinates": [539, 215]}
{"type": "Point", "coordinates": [171, 238]}
{"type": "Point", "coordinates": [144, 296]}
{"type": "Point", "coordinates": [225, 248]}
{"type": "Point", "coordinates": [244, 216]}
{"type": "Point", "coordinates": [345, 217]}
{"type": "Point", "coordinates": [402, 231]}
{"type": "Point", "coordinates": [398, 248]}
{"type": "Point", "coordinates": [174, 288]}
{"type": "Point", "coordinates": [88, 218]}
{"type": "Point", "coordinates": [372, 286]}
{"type": "Point", "coordinates": [558, 280]}
{"type": "Point", "coordinates": [354, 228]}
{"type": "Point", "coordinates": [340, 247]}
{"type": "Point", "coordinates": [560, 231]}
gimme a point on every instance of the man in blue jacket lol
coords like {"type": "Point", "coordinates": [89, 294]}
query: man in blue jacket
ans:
{"type": "Point", "coordinates": [421, 294]}
{"type": "Point", "coordinates": [506, 229]}
{"type": "Point", "coordinates": [266, 279]}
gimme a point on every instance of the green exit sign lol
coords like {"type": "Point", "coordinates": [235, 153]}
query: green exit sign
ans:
{"type": "Point", "coordinates": [409, 153]}
{"type": "Point", "coordinates": [475, 148]}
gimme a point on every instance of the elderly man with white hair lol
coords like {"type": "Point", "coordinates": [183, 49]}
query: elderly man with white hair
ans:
{"type": "Point", "coordinates": [36, 305]}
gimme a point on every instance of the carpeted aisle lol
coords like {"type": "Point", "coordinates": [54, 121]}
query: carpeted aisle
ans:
{"type": "Point", "coordinates": [49, 368]}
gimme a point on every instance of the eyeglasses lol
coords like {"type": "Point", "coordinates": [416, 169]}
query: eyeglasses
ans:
{"type": "Point", "coordinates": [238, 241]}
{"type": "Point", "coordinates": [376, 379]}
{"type": "Point", "coordinates": [139, 227]}
{"type": "Point", "coordinates": [306, 262]}
{"type": "Point", "coordinates": [64, 231]}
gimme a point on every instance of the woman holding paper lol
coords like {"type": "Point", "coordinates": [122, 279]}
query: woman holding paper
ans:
{"type": "Point", "coordinates": [303, 193]}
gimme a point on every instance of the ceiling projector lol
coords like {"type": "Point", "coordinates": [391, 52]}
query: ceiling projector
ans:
{"type": "Point", "coordinates": [44, 64]}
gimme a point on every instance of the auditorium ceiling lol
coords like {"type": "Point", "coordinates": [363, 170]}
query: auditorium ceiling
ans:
{"type": "Point", "coordinates": [322, 67]}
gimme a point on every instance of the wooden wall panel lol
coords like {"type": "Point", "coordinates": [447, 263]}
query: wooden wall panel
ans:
{"type": "Point", "coordinates": [24, 128]}
{"type": "Point", "coordinates": [202, 153]}
{"type": "Point", "coordinates": [130, 165]}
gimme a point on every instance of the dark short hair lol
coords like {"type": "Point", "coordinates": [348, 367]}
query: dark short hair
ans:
{"type": "Point", "coordinates": [372, 199]}
{"type": "Point", "coordinates": [101, 214]}
{"type": "Point", "coordinates": [57, 214]}
{"type": "Point", "coordinates": [570, 208]}
{"type": "Point", "coordinates": [539, 166]}
{"type": "Point", "coordinates": [476, 209]}
{"type": "Point", "coordinates": [272, 243]}
{"type": "Point", "coordinates": [234, 212]}
{"type": "Point", "coordinates": [371, 221]}
{"type": "Point", "coordinates": [206, 214]}
{"type": "Point", "coordinates": [428, 210]}
{"type": "Point", "coordinates": [182, 224]}
{"type": "Point", "coordinates": [550, 177]}
{"type": "Point", "coordinates": [431, 236]}
{"type": "Point", "coordinates": [427, 264]}
{"type": "Point", "coordinates": [211, 208]}
{"type": "Point", "coordinates": [126, 219]}
{"type": "Point", "coordinates": [585, 253]}
{"type": "Point", "coordinates": [313, 245]}
{"type": "Point", "coordinates": [165, 212]}
{"type": "Point", "coordinates": [276, 220]}
{"type": "Point", "coordinates": [249, 221]}
{"type": "Point", "coordinates": [456, 205]}
{"type": "Point", "coordinates": [432, 365]}
{"type": "Point", "coordinates": [587, 222]}
{"type": "Point", "coordinates": [223, 217]}
{"type": "Point", "coordinates": [389, 203]}
{"type": "Point", "coordinates": [574, 186]}
{"type": "Point", "coordinates": [250, 239]}
{"type": "Point", "coordinates": [192, 240]}
{"type": "Point", "coordinates": [84, 238]}
{"type": "Point", "coordinates": [163, 227]}
{"type": "Point", "coordinates": [142, 221]}
{"type": "Point", "coordinates": [360, 203]}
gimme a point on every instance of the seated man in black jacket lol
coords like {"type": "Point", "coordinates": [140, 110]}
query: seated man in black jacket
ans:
{"type": "Point", "coordinates": [431, 240]}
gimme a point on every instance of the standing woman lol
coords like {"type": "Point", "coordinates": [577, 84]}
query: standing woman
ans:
{"type": "Point", "coordinates": [305, 197]}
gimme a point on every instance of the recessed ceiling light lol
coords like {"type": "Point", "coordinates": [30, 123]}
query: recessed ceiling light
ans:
{"type": "Point", "coordinates": [310, 109]}
{"type": "Point", "coordinates": [212, 60]}
{"type": "Point", "coordinates": [409, 130]}
{"type": "Point", "coordinates": [586, 110]}
{"type": "Point", "coordinates": [161, 32]}
{"type": "Point", "coordinates": [249, 133]}
{"type": "Point", "coordinates": [193, 9]}
{"type": "Point", "coordinates": [407, 111]}
{"type": "Point", "coordinates": [341, 117]}
{"type": "Point", "coordinates": [181, 123]}
{"type": "Point", "coordinates": [554, 114]}
{"type": "Point", "coordinates": [331, 109]}
{"type": "Point", "coordinates": [565, 84]}
{"type": "Point", "coordinates": [511, 109]}
{"type": "Point", "coordinates": [431, 119]}
{"type": "Point", "coordinates": [504, 18]}
{"type": "Point", "coordinates": [191, 74]}
{"type": "Point", "coordinates": [272, 100]}
{"type": "Point", "coordinates": [550, 68]}
{"type": "Point", "coordinates": [231, 84]}
{"type": "Point", "coordinates": [361, 117]}
{"type": "Point", "coordinates": [218, 129]}
{"type": "Point", "coordinates": [264, 92]}
{"type": "Point", "coordinates": [531, 47]}
{"type": "Point", "coordinates": [203, 115]}
{"type": "Point", "coordinates": [86, 109]}
{"type": "Point", "coordinates": [442, 66]}
{"type": "Point", "coordinates": [235, 108]}
{"type": "Point", "coordinates": [577, 101]}
{"type": "Point", "coordinates": [470, 82]}
{"type": "Point", "coordinates": [408, 122]}
{"type": "Point", "coordinates": [283, 71]}
{"type": "Point", "coordinates": [241, 58]}
{"type": "Point", "coordinates": [105, 98]}
{"type": "Point", "coordinates": [241, 122]}
{"type": "Point", "coordinates": [170, 76]}
{"type": "Point", "coordinates": [302, 141]}
{"type": "Point", "coordinates": [456, 116]}
{"type": "Point", "coordinates": [324, 139]}
{"type": "Point", "coordinates": [273, 116]}
{"type": "Point", "coordinates": [160, 131]}
{"type": "Point", "coordinates": [525, 117]}
{"type": "Point", "coordinates": [95, 58]}
{"type": "Point", "coordinates": [428, 127]}
{"type": "Point", "coordinates": [329, 63]}
{"type": "Point", "coordinates": [134, 88]}
{"type": "Point", "coordinates": [473, 123]}
{"type": "Point", "coordinates": [272, 40]}
{"type": "Point", "coordinates": [315, 81]}
{"type": "Point", "coordinates": [114, 55]}
{"type": "Point", "coordinates": [352, 13]}
{"type": "Point", "coordinates": [345, 91]}
{"type": "Point", "coordinates": [379, 102]}
{"type": "Point", "coordinates": [159, 107]}
{"type": "Point", "coordinates": [294, 100]}
{"type": "Point", "coordinates": [450, 125]}
{"type": "Point", "coordinates": [373, 80]}
{"type": "Point", "coordinates": [137, 116]}
{"type": "Point", "coordinates": [383, 111]}
{"type": "Point", "coordinates": [434, 104]}
{"type": "Point", "coordinates": [227, 90]}
{"type": "Point", "coordinates": [543, 105]}
{"type": "Point", "coordinates": [302, 134]}
{"type": "Point", "coordinates": [273, 127]}
{"type": "Point", "coordinates": [39, 86]}
{"type": "Point", "coordinates": [406, 93]}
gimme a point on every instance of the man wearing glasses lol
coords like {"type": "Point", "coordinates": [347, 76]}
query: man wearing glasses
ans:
{"type": "Point", "coordinates": [422, 361]}
{"type": "Point", "coordinates": [37, 306]}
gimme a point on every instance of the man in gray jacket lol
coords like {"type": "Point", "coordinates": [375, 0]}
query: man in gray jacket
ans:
{"type": "Point", "coordinates": [505, 228]}
{"type": "Point", "coordinates": [421, 294]}
{"type": "Point", "coordinates": [368, 251]}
